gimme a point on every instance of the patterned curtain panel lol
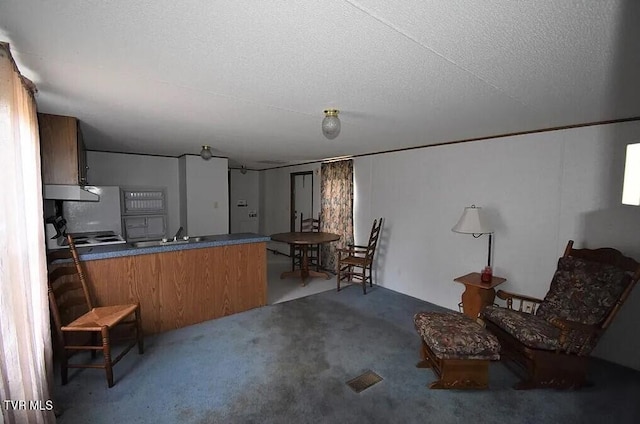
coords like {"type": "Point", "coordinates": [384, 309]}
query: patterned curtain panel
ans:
{"type": "Point", "coordinates": [336, 208]}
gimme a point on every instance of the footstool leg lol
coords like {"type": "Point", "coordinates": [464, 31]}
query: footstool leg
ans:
{"type": "Point", "coordinates": [439, 384]}
{"type": "Point", "coordinates": [424, 362]}
{"type": "Point", "coordinates": [463, 374]}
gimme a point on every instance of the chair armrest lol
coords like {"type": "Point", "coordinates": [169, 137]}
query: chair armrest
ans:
{"type": "Point", "coordinates": [352, 248]}
{"type": "Point", "coordinates": [563, 324]}
{"type": "Point", "coordinates": [575, 337]}
{"type": "Point", "coordinates": [510, 297]}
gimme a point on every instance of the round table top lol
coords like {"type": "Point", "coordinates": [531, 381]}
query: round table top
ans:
{"type": "Point", "coordinates": [307, 237]}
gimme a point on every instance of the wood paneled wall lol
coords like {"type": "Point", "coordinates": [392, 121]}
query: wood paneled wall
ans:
{"type": "Point", "coordinates": [176, 289]}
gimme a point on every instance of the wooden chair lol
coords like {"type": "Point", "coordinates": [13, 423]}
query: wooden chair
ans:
{"type": "Point", "coordinates": [355, 262]}
{"type": "Point", "coordinates": [548, 341]}
{"type": "Point", "coordinates": [78, 324]}
{"type": "Point", "coordinates": [313, 252]}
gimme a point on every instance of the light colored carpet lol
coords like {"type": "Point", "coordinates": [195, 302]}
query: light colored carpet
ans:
{"type": "Point", "coordinates": [285, 289]}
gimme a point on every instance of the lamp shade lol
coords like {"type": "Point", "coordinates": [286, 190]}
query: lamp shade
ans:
{"type": "Point", "coordinates": [472, 222]}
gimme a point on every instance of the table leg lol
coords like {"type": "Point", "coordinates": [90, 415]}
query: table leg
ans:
{"type": "Point", "coordinates": [304, 267]}
{"type": "Point", "coordinates": [304, 272]}
{"type": "Point", "coordinates": [474, 299]}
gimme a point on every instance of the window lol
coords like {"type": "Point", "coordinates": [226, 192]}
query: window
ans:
{"type": "Point", "coordinates": [631, 188]}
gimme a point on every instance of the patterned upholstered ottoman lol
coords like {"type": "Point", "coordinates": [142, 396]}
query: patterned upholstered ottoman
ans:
{"type": "Point", "coordinates": [457, 348]}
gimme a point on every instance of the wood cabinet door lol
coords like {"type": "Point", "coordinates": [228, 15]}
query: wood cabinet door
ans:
{"type": "Point", "coordinates": [59, 149]}
{"type": "Point", "coordinates": [82, 158]}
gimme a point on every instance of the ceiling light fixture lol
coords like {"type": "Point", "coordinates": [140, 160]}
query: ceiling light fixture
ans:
{"type": "Point", "coordinates": [331, 124]}
{"type": "Point", "coordinates": [205, 153]}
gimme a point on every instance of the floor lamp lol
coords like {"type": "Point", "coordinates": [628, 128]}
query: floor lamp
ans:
{"type": "Point", "coordinates": [472, 222]}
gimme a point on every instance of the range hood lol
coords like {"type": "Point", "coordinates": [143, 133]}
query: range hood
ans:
{"type": "Point", "coordinates": [69, 192]}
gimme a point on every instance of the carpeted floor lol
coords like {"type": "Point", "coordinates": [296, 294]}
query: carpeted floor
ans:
{"type": "Point", "coordinates": [289, 362]}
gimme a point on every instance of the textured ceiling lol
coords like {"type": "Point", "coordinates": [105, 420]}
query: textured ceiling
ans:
{"type": "Point", "coordinates": [251, 78]}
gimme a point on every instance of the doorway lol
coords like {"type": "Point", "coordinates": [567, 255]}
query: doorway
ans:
{"type": "Point", "coordinates": [301, 197]}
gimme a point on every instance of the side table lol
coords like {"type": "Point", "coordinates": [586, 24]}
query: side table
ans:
{"type": "Point", "coordinates": [477, 294]}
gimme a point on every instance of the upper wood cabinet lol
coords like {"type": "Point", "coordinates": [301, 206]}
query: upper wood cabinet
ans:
{"type": "Point", "coordinates": [64, 158]}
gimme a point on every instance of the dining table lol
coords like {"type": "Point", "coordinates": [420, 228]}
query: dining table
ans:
{"type": "Point", "coordinates": [303, 240]}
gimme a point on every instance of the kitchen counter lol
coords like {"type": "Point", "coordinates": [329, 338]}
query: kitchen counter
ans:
{"type": "Point", "coordinates": [127, 249]}
{"type": "Point", "coordinates": [180, 284]}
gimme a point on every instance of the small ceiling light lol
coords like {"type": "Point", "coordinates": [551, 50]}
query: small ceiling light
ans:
{"type": "Point", "coordinates": [331, 124]}
{"type": "Point", "coordinates": [205, 153]}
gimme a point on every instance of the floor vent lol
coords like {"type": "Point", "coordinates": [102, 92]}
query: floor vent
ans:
{"type": "Point", "coordinates": [364, 381]}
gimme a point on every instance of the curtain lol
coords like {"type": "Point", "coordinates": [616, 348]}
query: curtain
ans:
{"type": "Point", "coordinates": [25, 339]}
{"type": "Point", "coordinates": [336, 208]}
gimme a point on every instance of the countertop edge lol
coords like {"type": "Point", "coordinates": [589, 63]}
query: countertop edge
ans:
{"type": "Point", "coordinates": [124, 250]}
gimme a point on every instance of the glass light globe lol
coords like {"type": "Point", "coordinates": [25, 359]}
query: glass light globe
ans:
{"type": "Point", "coordinates": [205, 153]}
{"type": "Point", "coordinates": [331, 124]}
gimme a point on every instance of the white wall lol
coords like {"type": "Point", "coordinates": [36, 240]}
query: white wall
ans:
{"type": "Point", "coordinates": [127, 170]}
{"type": "Point", "coordinates": [244, 187]}
{"type": "Point", "coordinates": [275, 193]}
{"type": "Point", "coordinates": [206, 194]}
{"type": "Point", "coordinates": [422, 193]}
{"type": "Point", "coordinates": [204, 208]}
{"type": "Point", "coordinates": [539, 191]}
{"type": "Point", "coordinates": [182, 188]}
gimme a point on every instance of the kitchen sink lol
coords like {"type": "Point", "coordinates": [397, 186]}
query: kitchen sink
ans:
{"type": "Point", "coordinates": [170, 242]}
{"type": "Point", "coordinates": [151, 243]}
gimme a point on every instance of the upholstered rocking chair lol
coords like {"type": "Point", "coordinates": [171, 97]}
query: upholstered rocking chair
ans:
{"type": "Point", "coordinates": [548, 341]}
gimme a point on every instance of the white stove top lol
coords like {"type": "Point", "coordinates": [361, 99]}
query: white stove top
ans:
{"type": "Point", "coordinates": [97, 238]}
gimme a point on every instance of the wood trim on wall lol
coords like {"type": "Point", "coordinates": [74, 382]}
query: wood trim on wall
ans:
{"type": "Point", "coordinates": [423, 146]}
{"type": "Point", "coordinates": [466, 140]}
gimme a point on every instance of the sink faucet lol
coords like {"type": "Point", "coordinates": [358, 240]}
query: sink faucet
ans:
{"type": "Point", "coordinates": [178, 234]}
